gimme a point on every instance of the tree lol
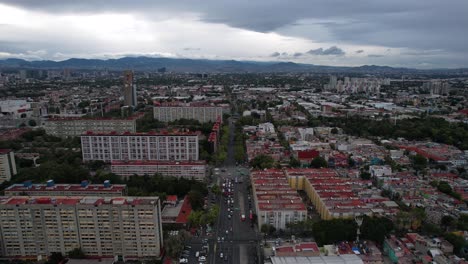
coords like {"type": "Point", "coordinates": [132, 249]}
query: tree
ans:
{"type": "Point", "coordinates": [376, 228]}
{"type": "Point", "coordinates": [335, 230]}
{"type": "Point", "coordinates": [55, 258]}
{"type": "Point", "coordinates": [457, 241]}
{"type": "Point", "coordinates": [216, 189]}
{"type": "Point", "coordinates": [419, 162]}
{"type": "Point", "coordinates": [447, 221]}
{"type": "Point", "coordinates": [319, 162]}
{"type": "Point", "coordinates": [196, 199]}
{"type": "Point", "coordinates": [173, 246]}
{"type": "Point", "coordinates": [294, 163]}
{"type": "Point", "coordinates": [32, 123]}
{"type": "Point", "coordinates": [76, 253]}
{"type": "Point", "coordinates": [334, 130]}
{"type": "Point", "coordinates": [267, 229]}
{"type": "Point", "coordinates": [444, 187]}
{"type": "Point", "coordinates": [263, 162]}
{"type": "Point", "coordinates": [365, 175]}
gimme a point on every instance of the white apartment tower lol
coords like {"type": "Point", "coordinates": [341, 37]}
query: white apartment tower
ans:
{"type": "Point", "coordinates": [203, 114]}
{"type": "Point", "coordinates": [127, 146]}
{"type": "Point", "coordinates": [7, 165]}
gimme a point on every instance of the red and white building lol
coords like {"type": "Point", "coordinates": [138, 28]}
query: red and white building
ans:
{"type": "Point", "coordinates": [177, 146]}
{"type": "Point", "coordinates": [276, 203]}
{"type": "Point", "coordinates": [179, 169]}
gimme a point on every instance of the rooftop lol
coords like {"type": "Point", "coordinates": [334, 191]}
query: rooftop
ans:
{"type": "Point", "coordinates": [152, 133]}
{"type": "Point", "coordinates": [77, 200]}
{"type": "Point", "coordinates": [155, 162]}
{"type": "Point", "coordinates": [29, 187]}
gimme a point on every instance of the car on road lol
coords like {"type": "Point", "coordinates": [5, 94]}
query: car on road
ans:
{"type": "Point", "coordinates": [221, 255]}
{"type": "Point", "coordinates": [183, 260]}
{"type": "Point", "coordinates": [197, 254]}
{"type": "Point", "coordinates": [202, 258]}
{"type": "Point", "coordinates": [227, 232]}
{"type": "Point", "coordinates": [243, 217]}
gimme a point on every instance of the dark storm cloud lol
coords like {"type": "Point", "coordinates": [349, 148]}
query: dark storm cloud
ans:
{"type": "Point", "coordinates": [298, 54]}
{"type": "Point", "coordinates": [325, 52]}
{"type": "Point", "coordinates": [359, 51]}
{"type": "Point", "coordinates": [429, 24]}
{"type": "Point", "coordinates": [275, 54]}
{"type": "Point", "coordinates": [412, 24]}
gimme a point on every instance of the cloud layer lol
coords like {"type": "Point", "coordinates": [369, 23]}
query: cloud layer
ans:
{"type": "Point", "coordinates": [430, 33]}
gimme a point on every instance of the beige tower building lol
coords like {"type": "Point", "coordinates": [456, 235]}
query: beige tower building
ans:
{"type": "Point", "coordinates": [122, 227]}
{"type": "Point", "coordinates": [129, 89]}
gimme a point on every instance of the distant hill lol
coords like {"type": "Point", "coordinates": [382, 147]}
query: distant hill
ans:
{"type": "Point", "coordinates": [199, 65]}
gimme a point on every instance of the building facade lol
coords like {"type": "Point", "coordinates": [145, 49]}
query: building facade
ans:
{"type": "Point", "coordinates": [203, 114]}
{"type": "Point", "coordinates": [128, 227]}
{"type": "Point", "coordinates": [7, 165]}
{"type": "Point", "coordinates": [192, 169]}
{"type": "Point", "coordinates": [276, 203]}
{"type": "Point", "coordinates": [65, 127]}
{"type": "Point", "coordinates": [182, 146]}
{"type": "Point", "coordinates": [129, 89]}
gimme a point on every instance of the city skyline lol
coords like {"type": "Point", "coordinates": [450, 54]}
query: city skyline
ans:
{"type": "Point", "coordinates": [399, 34]}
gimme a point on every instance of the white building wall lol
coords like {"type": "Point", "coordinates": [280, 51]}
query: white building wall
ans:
{"type": "Point", "coordinates": [139, 147]}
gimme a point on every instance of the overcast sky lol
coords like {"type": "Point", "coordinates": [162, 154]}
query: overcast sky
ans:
{"type": "Point", "coordinates": [408, 33]}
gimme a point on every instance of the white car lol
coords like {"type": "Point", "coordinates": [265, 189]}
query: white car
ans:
{"type": "Point", "coordinates": [202, 258]}
{"type": "Point", "coordinates": [197, 254]}
{"type": "Point", "coordinates": [183, 260]}
{"type": "Point", "coordinates": [221, 255]}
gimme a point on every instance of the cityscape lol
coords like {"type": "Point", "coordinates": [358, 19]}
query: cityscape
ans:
{"type": "Point", "coordinates": [125, 138]}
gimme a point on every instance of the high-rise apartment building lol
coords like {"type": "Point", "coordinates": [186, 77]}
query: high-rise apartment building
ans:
{"type": "Point", "coordinates": [129, 89]}
{"type": "Point", "coordinates": [7, 165]}
{"type": "Point", "coordinates": [203, 114]}
{"type": "Point", "coordinates": [127, 227]}
{"type": "Point", "coordinates": [180, 146]}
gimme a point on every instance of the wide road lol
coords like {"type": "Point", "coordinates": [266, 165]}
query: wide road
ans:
{"type": "Point", "coordinates": [238, 240]}
{"type": "Point", "coordinates": [239, 245]}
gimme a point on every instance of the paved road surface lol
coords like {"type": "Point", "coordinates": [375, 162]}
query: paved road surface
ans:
{"type": "Point", "coordinates": [240, 244]}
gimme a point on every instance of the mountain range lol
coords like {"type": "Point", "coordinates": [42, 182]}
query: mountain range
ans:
{"type": "Point", "coordinates": [206, 66]}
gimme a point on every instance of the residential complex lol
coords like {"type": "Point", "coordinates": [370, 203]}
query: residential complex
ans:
{"type": "Point", "coordinates": [203, 114]}
{"type": "Point", "coordinates": [7, 164]}
{"type": "Point", "coordinates": [333, 196]}
{"type": "Point", "coordinates": [276, 203]}
{"type": "Point", "coordinates": [180, 146]}
{"type": "Point", "coordinates": [182, 169]}
{"type": "Point", "coordinates": [129, 227]}
{"type": "Point", "coordinates": [52, 189]}
{"type": "Point", "coordinates": [63, 127]}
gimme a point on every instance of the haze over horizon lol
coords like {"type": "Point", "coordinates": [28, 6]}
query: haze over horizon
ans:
{"type": "Point", "coordinates": [414, 34]}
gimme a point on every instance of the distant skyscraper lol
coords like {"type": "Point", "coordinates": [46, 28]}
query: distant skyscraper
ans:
{"type": "Point", "coordinates": [333, 82]}
{"type": "Point", "coordinates": [129, 89]}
